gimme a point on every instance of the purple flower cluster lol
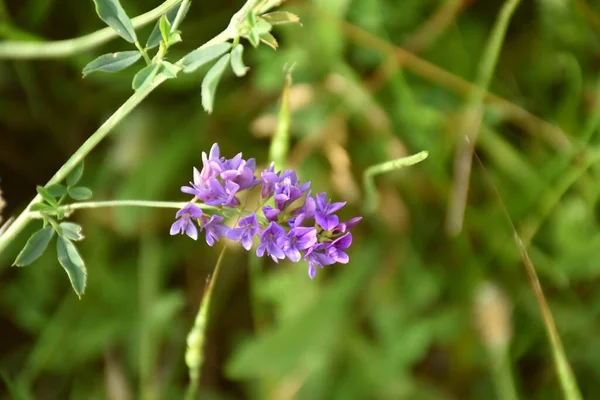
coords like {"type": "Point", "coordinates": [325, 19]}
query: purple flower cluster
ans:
{"type": "Point", "coordinates": [291, 224]}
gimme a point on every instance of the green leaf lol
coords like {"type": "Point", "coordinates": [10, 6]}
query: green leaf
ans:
{"type": "Point", "coordinates": [254, 38]}
{"type": "Point", "coordinates": [34, 247]}
{"type": "Point", "coordinates": [43, 207]}
{"type": "Point", "coordinates": [281, 17]}
{"type": "Point", "coordinates": [170, 70]}
{"type": "Point", "coordinates": [80, 193]}
{"type": "Point", "coordinates": [269, 40]}
{"type": "Point", "coordinates": [111, 12]}
{"type": "Point", "coordinates": [237, 62]}
{"type": "Point", "coordinates": [174, 38]}
{"type": "Point", "coordinates": [203, 55]}
{"type": "Point", "coordinates": [75, 175]}
{"type": "Point", "coordinates": [156, 36]}
{"type": "Point", "coordinates": [56, 190]}
{"type": "Point", "coordinates": [69, 258]}
{"type": "Point", "coordinates": [262, 27]}
{"type": "Point", "coordinates": [251, 18]}
{"type": "Point", "coordinates": [112, 62]}
{"type": "Point", "coordinates": [165, 28]}
{"type": "Point", "coordinates": [145, 76]}
{"type": "Point", "coordinates": [211, 81]}
{"type": "Point", "coordinates": [46, 196]}
{"type": "Point", "coordinates": [71, 231]}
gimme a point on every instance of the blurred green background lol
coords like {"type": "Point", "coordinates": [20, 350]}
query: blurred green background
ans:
{"type": "Point", "coordinates": [374, 80]}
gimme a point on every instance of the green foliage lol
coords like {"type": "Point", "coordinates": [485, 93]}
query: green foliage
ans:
{"type": "Point", "coordinates": [35, 247]}
{"type": "Point", "coordinates": [113, 14]}
{"type": "Point", "coordinates": [397, 321]}
{"type": "Point", "coordinates": [69, 258]}
{"type": "Point", "coordinates": [145, 76]}
{"type": "Point", "coordinates": [113, 62]}
{"type": "Point", "coordinates": [202, 56]}
{"type": "Point", "coordinates": [210, 82]}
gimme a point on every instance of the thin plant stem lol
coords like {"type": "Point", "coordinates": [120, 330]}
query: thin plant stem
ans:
{"type": "Point", "coordinates": [565, 374]}
{"type": "Point", "coordinates": [194, 355]}
{"type": "Point", "coordinates": [281, 139]}
{"type": "Point", "coordinates": [503, 379]}
{"type": "Point", "coordinates": [64, 48]}
{"type": "Point", "coordinates": [472, 118]}
{"type": "Point", "coordinates": [21, 221]}
{"type": "Point", "coordinates": [371, 198]}
{"type": "Point", "coordinates": [185, 4]}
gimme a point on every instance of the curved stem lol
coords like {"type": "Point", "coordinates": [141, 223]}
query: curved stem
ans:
{"type": "Point", "coordinates": [11, 49]}
{"type": "Point", "coordinates": [23, 219]}
{"type": "Point", "coordinates": [69, 208]}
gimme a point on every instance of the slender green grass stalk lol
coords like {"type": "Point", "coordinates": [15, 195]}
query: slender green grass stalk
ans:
{"type": "Point", "coordinates": [65, 48]}
{"type": "Point", "coordinates": [503, 380]}
{"type": "Point", "coordinates": [563, 368]}
{"type": "Point", "coordinates": [371, 198]}
{"type": "Point", "coordinates": [471, 121]}
{"type": "Point", "coordinates": [281, 140]}
{"type": "Point", "coordinates": [194, 355]}
{"type": "Point", "coordinates": [148, 278]}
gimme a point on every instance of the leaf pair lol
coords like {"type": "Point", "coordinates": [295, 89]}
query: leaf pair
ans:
{"type": "Point", "coordinates": [205, 55]}
{"type": "Point", "coordinates": [67, 253]}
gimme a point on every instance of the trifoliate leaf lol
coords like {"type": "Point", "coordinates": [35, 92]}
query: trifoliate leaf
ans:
{"type": "Point", "coordinates": [203, 55]}
{"type": "Point", "coordinates": [155, 37]}
{"type": "Point", "coordinates": [69, 258]}
{"type": "Point", "coordinates": [34, 247]}
{"type": "Point", "coordinates": [211, 81]}
{"type": "Point", "coordinates": [113, 14]}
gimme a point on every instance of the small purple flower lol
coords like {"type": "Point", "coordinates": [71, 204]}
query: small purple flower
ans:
{"type": "Point", "coordinates": [288, 189]}
{"type": "Point", "coordinates": [185, 223]}
{"type": "Point", "coordinates": [298, 239]}
{"type": "Point", "coordinates": [344, 226]}
{"type": "Point", "coordinates": [215, 194]}
{"type": "Point", "coordinates": [247, 228]}
{"type": "Point", "coordinates": [271, 213]}
{"type": "Point", "coordinates": [213, 228]}
{"type": "Point", "coordinates": [324, 212]}
{"type": "Point", "coordinates": [336, 249]}
{"type": "Point", "coordinates": [269, 179]}
{"type": "Point", "coordinates": [316, 258]}
{"type": "Point", "coordinates": [272, 240]}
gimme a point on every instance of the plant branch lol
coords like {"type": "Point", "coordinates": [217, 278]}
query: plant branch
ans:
{"type": "Point", "coordinates": [371, 199]}
{"type": "Point", "coordinates": [12, 49]}
{"type": "Point", "coordinates": [23, 219]}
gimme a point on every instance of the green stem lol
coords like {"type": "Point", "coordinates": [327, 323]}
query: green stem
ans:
{"type": "Point", "coordinates": [21, 221]}
{"type": "Point", "coordinates": [281, 140]}
{"type": "Point", "coordinates": [471, 121]}
{"type": "Point", "coordinates": [143, 52]}
{"type": "Point", "coordinates": [185, 4]}
{"type": "Point", "coordinates": [64, 48]}
{"type": "Point", "coordinates": [502, 374]}
{"type": "Point", "coordinates": [370, 173]}
{"type": "Point", "coordinates": [195, 340]}
{"type": "Point", "coordinates": [69, 208]}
